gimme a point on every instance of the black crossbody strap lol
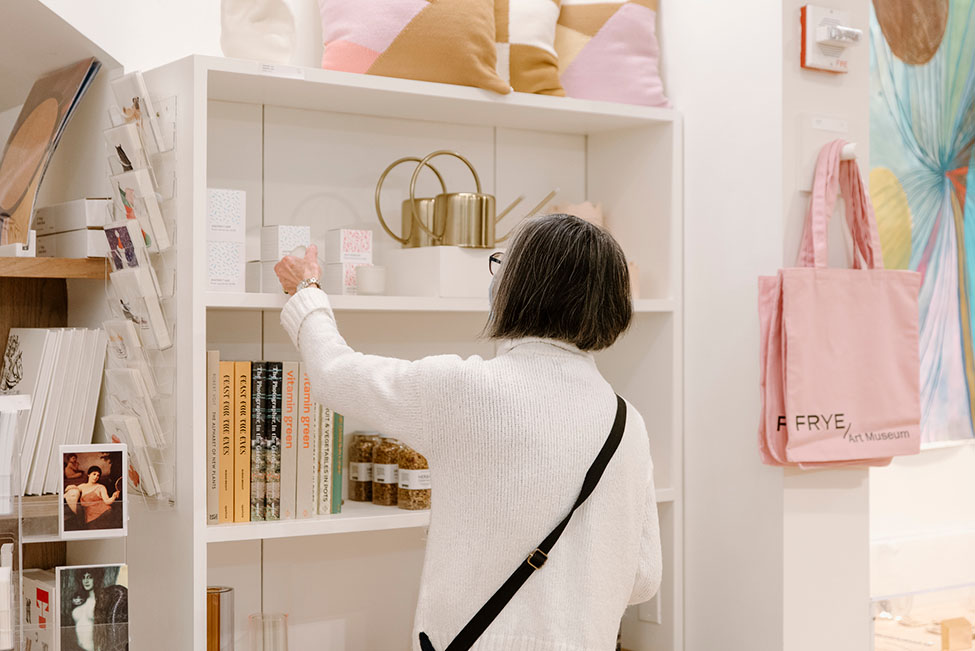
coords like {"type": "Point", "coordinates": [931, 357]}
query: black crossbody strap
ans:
{"type": "Point", "coordinates": [490, 610]}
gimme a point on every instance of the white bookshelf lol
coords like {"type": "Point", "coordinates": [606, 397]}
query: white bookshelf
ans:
{"type": "Point", "coordinates": [267, 301]}
{"type": "Point", "coordinates": [355, 517]}
{"type": "Point", "coordinates": [308, 147]}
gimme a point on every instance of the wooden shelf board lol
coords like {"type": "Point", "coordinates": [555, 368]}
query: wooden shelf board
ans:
{"type": "Point", "coordinates": [93, 268]}
{"type": "Point", "coordinates": [341, 92]}
{"type": "Point", "coordinates": [267, 301]}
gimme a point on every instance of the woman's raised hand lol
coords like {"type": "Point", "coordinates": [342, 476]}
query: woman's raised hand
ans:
{"type": "Point", "coordinates": [292, 270]}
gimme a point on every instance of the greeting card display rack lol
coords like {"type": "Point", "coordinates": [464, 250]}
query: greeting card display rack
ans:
{"type": "Point", "coordinates": [154, 463]}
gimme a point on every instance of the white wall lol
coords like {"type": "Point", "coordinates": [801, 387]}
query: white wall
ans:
{"type": "Point", "coordinates": [827, 565]}
{"type": "Point", "coordinates": [143, 34]}
{"type": "Point", "coordinates": [723, 66]}
{"type": "Point", "coordinates": [773, 560]}
{"type": "Point", "coordinates": [922, 521]}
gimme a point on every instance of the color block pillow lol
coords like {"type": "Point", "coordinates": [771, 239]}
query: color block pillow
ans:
{"type": "Point", "coordinates": [608, 51]}
{"type": "Point", "coordinates": [450, 41]}
{"type": "Point", "coordinates": [526, 45]}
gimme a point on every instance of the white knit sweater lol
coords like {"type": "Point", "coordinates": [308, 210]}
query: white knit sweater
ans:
{"type": "Point", "coordinates": [509, 441]}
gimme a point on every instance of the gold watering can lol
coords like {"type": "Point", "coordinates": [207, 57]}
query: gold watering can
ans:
{"type": "Point", "coordinates": [465, 219]}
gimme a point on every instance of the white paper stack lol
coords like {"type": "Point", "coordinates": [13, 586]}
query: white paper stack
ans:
{"type": "Point", "coordinates": [61, 369]}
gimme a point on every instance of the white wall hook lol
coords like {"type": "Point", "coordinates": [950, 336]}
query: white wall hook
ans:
{"type": "Point", "coordinates": [849, 151]}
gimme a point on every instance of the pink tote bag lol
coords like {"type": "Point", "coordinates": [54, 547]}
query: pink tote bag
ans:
{"type": "Point", "coordinates": [840, 372]}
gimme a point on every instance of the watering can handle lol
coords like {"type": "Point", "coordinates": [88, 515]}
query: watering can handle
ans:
{"type": "Point", "coordinates": [379, 188]}
{"type": "Point", "coordinates": [416, 173]}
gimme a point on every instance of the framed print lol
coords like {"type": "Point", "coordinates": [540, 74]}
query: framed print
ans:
{"type": "Point", "coordinates": [94, 493]}
{"type": "Point", "coordinates": [92, 607]}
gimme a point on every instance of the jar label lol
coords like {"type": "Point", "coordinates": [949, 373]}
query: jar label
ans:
{"type": "Point", "coordinates": [360, 471]}
{"type": "Point", "coordinates": [384, 473]}
{"type": "Point", "coordinates": [414, 480]}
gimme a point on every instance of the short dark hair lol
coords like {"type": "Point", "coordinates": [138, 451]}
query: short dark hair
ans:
{"type": "Point", "coordinates": [562, 278]}
{"type": "Point", "coordinates": [92, 469]}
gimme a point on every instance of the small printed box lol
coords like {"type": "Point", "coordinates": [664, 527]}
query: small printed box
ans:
{"type": "Point", "coordinates": [226, 215]}
{"type": "Point", "coordinates": [340, 277]}
{"type": "Point", "coordinates": [226, 233]}
{"type": "Point", "coordinates": [279, 241]}
{"type": "Point", "coordinates": [84, 243]}
{"type": "Point", "coordinates": [261, 277]}
{"type": "Point", "coordinates": [72, 216]}
{"type": "Point", "coordinates": [348, 245]}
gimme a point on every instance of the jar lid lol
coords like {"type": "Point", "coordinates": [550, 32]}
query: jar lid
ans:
{"type": "Point", "coordinates": [389, 437]}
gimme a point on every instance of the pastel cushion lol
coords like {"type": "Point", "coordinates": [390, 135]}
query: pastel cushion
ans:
{"type": "Point", "coordinates": [608, 51]}
{"type": "Point", "coordinates": [526, 45]}
{"type": "Point", "coordinates": [448, 41]}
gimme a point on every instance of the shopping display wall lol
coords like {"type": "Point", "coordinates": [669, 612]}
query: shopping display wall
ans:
{"type": "Point", "coordinates": [770, 556]}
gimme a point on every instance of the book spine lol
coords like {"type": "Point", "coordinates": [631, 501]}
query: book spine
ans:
{"type": "Point", "coordinates": [305, 507]}
{"type": "Point", "coordinates": [325, 462]}
{"type": "Point", "coordinates": [273, 452]}
{"type": "Point", "coordinates": [227, 427]}
{"type": "Point", "coordinates": [316, 450]}
{"type": "Point", "coordinates": [289, 440]}
{"type": "Point", "coordinates": [338, 460]}
{"type": "Point", "coordinates": [213, 436]}
{"type": "Point", "coordinates": [242, 443]}
{"type": "Point", "coordinates": [258, 486]}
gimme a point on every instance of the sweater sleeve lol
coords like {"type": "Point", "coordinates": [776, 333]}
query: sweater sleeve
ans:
{"type": "Point", "coordinates": [650, 569]}
{"type": "Point", "coordinates": [383, 393]}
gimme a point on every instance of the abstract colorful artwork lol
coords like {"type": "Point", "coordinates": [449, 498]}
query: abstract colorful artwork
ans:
{"type": "Point", "coordinates": [922, 183]}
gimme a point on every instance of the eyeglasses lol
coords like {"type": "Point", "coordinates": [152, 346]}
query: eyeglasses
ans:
{"type": "Point", "coordinates": [494, 262]}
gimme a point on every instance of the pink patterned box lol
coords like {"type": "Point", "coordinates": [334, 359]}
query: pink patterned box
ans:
{"type": "Point", "coordinates": [340, 278]}
{"type": "Point", "coordinates": [343, 245]}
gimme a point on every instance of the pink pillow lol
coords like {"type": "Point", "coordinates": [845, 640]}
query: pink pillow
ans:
{"type": "Point", "coordinates": [449, 41]}
{"type": "Point", "coordinates": [608, 51]}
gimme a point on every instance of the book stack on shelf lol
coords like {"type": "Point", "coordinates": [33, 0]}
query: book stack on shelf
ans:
{"type": "Point", "coordinates": [273, 453]}
{"type": "Point", "coordinates": [60, 369]}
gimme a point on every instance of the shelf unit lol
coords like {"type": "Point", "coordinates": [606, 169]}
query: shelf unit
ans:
{"type": "Point", "coordinates": [308, 146]}
{"type": "Point", "coordinates": [267, 301]}
{"type": "Point", "coordinates": [355, 517]}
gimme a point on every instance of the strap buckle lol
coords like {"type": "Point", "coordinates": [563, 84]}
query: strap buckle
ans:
{"type": "Point", "coordinates": [536, 559]}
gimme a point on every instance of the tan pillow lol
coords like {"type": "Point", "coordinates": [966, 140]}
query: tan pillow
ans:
{"type": "Point", "coordinates": [450, 41]}
{"type": "Point", "coordinates": [526, 45]}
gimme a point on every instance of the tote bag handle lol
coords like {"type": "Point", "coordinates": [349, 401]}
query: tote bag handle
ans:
{"type": "Point", "coordinates": [833, 175]}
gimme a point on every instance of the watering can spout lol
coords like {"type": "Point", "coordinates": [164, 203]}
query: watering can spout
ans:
{"type": "Point", "coordinates": [531, 213]}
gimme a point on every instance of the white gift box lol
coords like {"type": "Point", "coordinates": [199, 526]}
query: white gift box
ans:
{"type": "Point", "coordinates": [348, 245]}
{"type": "Point", "coordinates": [72, 216]}
{"type": "Point", "coordinates": [340, 278]}
{"type": "Point", "coordinates": [83, 243]}
{"type": "Point", "coordinates": [279, 241]}
{"type": "Point", "coordinates": [444, 271]}
{"type": "Point", "coordinates": [226, 234]}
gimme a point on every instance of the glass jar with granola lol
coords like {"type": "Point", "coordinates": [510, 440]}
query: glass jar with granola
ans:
{"type": "Point", "coordinates": [414, 480]}
{"type": "Point", "coordinates": [360, 466]}
{"type": "Point", "coordinates": [385, 457]}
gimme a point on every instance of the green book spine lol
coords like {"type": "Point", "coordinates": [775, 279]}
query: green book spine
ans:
{"type": "Point", "coordinates": [338, 460]}
{"type": "Point", "coordinates": [258, 488]}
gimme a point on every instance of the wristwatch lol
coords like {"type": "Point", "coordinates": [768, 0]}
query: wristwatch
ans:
{"type": "Point", "coordinates": [308, 282]}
